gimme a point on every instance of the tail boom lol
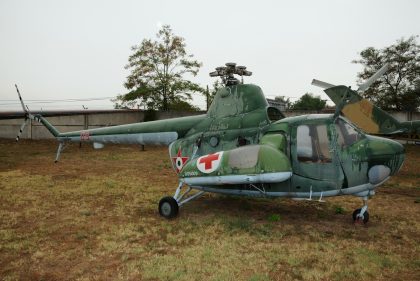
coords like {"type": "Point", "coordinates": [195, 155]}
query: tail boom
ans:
{"type": "Point", "coordinates": [47, 125]}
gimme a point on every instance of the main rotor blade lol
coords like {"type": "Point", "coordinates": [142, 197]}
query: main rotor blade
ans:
{"type": "Point", "coordinates": [322, 84]}
{"type": "Point", "coordinates": [373, 78]}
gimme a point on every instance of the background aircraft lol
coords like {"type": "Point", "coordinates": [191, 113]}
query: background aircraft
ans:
{"type": "Point", "coordinates": [365, 114]}
{"type": "Point", "coordinates": [244, 147]}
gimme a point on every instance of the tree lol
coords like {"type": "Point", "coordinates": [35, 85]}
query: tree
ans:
{"type": "Point", "coordinates": [394, 90]}
{"type": "Point", "coordinates": [157, 70]}
{"type": "Point", "coordinates": [412, 98]}
{"type": "Point", "coordinates": [180, 105]}
{"type": "Point", "coordinates": [217, 84]}
{"type": "Point", "coordinates": [309, 102]}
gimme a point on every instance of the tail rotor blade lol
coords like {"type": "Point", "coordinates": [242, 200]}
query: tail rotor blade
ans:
{"type": "Point", "coordinates": [28, 115]}
{"type": "Point", "coordinates": [20, 98]}
{"type": "Point", "coordinates": [373, 78]}
{"type": "Point", "coordinates": [21, 128]}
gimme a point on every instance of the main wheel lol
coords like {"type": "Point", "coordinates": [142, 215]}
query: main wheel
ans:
{"type": "Point", "coordinates": [357, 218]}
{"type": "Point", "coordinates": [168, 207]}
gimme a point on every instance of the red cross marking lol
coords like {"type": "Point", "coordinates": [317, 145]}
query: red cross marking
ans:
{"type": "Point", "coordinates": [208, 160]}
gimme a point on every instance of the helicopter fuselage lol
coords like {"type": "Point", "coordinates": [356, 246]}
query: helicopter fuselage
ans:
{"type": "Point", "coordinates": [244, 147]}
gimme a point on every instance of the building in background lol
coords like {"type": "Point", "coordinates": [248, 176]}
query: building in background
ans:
{"type": "Point", "coordinates": [280, 105]}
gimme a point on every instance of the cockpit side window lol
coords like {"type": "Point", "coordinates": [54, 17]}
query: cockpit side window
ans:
{"type": "Point", "coordinates": [304, 144]}
{"type": "Point", "coordinates": [274, 114]}
{"type": "Point", "coordinates": [346, 133]}
{"type": "Point", "coordinates": [312, 143]}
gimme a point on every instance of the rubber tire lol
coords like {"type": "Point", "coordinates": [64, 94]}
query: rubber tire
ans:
{"type": "Point", "coordinates": [170, 202]}
{"type": "Point", "coordinates": [365, 215]}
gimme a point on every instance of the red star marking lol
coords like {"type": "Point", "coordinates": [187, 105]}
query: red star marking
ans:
{"type": "Point", "coordinates": [84, 135]}
{"type": "Point", "coordinates": [179, 161]}
{"type": "Point", "coordinates": [208, 160]}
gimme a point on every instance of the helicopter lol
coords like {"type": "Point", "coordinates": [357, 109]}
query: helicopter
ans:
{"type": "Point", "coordinates": [367, 116]}
{"type": "Point", "coordinates": [242, 146]}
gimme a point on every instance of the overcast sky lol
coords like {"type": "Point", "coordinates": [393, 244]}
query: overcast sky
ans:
{"type": "Point", "coordinates": [78, 49]}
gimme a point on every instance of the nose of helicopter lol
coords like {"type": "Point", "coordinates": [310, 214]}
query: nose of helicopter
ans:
{"type": "Point", "coordinates": [385, 158]}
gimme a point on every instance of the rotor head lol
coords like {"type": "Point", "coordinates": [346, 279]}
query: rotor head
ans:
{"type": "Point", "coordinates": [227, 73]}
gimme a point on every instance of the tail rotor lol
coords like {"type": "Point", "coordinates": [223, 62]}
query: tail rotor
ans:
{"type": "Point", "coordinates": [22, 127]}
{"type": "Point", "coordinates": [28, 115]}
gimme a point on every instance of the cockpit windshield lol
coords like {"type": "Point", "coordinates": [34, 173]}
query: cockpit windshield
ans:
{"type": "Point", "coordinates": [346, 133]}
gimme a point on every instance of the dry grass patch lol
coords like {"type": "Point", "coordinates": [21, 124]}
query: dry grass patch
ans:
{"type": "Point", "coordinates": [93, 216]}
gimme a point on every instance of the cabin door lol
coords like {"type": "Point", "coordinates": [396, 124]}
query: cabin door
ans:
{"type": "Point", "coordinates": [316, 166]}
{"type": "Point", "coordinates": [351, 149]}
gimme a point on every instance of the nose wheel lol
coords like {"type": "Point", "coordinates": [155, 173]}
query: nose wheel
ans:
{"type": "Point", "coordinates": [361, 215]}
{"type": "Point", "coordinates": [169, 206]}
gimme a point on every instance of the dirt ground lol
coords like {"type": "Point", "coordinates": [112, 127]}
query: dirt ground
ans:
{"type": "Point", "coordinates": [93, 216]}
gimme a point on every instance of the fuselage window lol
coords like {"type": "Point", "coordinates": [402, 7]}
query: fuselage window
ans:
{"type": "Point", "coordinates": [304, 144]}
{"type": "Point", "coordinates": [274, 114]}
{"type": "Point", "coordinates": [323, 145]}
{"type": "Point", "coordinates": [313, 144]}
{"type": "Point", "coordinates": [347, 134]}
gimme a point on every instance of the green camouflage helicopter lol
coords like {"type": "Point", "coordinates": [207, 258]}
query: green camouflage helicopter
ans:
{"type": "Point", "coordinates": [368, 117]}
{"type": "Point", "coordinates": [242, 146]}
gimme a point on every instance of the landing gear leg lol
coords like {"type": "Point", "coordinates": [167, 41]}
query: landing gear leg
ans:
{"type": "Point", "coordinates": [61, 147]}
{"type": "Point", "coordinates": [169, 206]}
{"type": "Point", "coordinates": [361, 215]}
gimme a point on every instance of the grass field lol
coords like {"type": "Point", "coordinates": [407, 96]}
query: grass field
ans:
{"type": "Point", "coordinates": [93, 216]}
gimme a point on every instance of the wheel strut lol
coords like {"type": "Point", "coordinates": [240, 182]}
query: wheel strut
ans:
{"type": "Point", "coordinates": [169, 206]}
{"type": "Point", "coordinates": [361, 215]}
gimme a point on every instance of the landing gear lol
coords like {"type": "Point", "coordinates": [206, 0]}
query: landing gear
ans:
{"type": "Point", "coordinates": [360, 218]}
{"type": "Point", "coordinates": [361, 215]}
{"type": "Point", "coordinates": [169, 206]}
{"type": "Point", "coordinates": [61, 146]}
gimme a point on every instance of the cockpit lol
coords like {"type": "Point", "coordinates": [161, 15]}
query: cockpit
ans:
{"type": "Point", "coordinates": [315, 141]}
{"type": "Point", "coordinates": [346, 133]}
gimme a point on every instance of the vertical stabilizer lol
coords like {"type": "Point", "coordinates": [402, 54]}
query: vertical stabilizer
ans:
{"type": "Point", "coordinates": [363, 112]}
